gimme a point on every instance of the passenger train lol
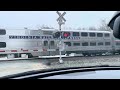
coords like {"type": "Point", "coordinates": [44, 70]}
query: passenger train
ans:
{"type": "Point", "coordinates": [45, 42]}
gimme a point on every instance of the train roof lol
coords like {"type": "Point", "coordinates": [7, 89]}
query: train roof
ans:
{"type": "Point", "coordinates": [18, 29]}
{"type": "Point", "coordinates": [71, 30]}
{"type": "Point", "coordinates": [86, 31]}
{"type": "Point", "coordinates": [68, 30]}
{"type": "Point", "coordinates": [48, 29]}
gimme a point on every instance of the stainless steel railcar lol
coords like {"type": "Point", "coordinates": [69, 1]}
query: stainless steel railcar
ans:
{"type": "Point", "coordinates": [89, 42]}
{"type": "Point", "coordinates": [18, 42]}
{"type": "Point", "coordinates": [26, 42]}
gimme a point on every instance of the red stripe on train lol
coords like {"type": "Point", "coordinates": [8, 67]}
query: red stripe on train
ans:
{"type": "Point", "coordinates": [44, 49]}
{"type": "Point", "coordinates": [2, 51]}
{"type": "Point", "coordinates": [35, 50]}
{"type": "Point", "coordinates": [25, 50]}
{"type": "Point", "coordinates": [13, 50]}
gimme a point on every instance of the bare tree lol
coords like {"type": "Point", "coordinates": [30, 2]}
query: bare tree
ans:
{"type": "Point", "coordinates": [79, 28]}
{"type": "Point", "coordinates": [70, 28]}
{"type": "Point", "coordinates": [67, 28]}
{"type": "Point", "coordinates": [83, 28]}
{"type": "Point", "coordinates": [44, 27]}
{"type": "Point", "coordinates": [92, 28]}
{"type": "Point", "coordinates": [104, 26]}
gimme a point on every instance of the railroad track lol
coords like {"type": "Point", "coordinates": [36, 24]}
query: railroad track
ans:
{"type": "Point", "coordinates": [54, 59]}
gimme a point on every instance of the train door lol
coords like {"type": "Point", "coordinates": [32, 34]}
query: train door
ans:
{"type": "Point", "coordinates": [52, 44]}
{"type": "Point", "coordinates": [45, 48]}
{"type": "Point", "coordinates": [113, 44]}
{"type": "Point", "coordinates": [52, 47]}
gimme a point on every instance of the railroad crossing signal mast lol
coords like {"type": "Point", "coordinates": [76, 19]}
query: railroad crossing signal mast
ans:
{"type": "Point", "coordinates": [61, 20]}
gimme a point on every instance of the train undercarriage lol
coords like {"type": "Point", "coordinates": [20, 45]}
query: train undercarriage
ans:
{"type": "Point", "coordinates": [67, 53]}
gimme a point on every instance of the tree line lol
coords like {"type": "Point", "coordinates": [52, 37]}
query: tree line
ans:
{"type": "Point", "coordinates": [103, 26]}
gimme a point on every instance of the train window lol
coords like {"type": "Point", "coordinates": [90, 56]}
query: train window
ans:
{"type": "Point", "coordinates": [76, 34]}
{"type": "Point", "coordinates": [15, 37]}
{"type": "Point", "coordinates": [68, 43]}
{"type": "Point", "coordinates": [2, 32]}
{"type": "Point", "coordinates": [2, 44]}
{"type": "Point", "coordinates": [99, 34]}
{"type": "Point", "coordinates": [35, 32]}
{"type": "Point", "coordinates": [85, 44]}
{"type": "Point", "coordinates": [52, 43]}
{"type": "Point", "coordinates": [100, 43]}
{"type": "Point", "coordinates": [117, 43]}
{"type": "Point", "coordinates": [92, 34]}
{"type": "Point", "coordinates": [107, 43]}
{"type": "Point", "coordinates": [45, 43]}
{"type": "Point", "coordinates": [47, 32]}
{"type": "Point", "coordinates": [107, 35]}
{"type": "Point", "coordinates": [92, 43]}
{"type": "Point", "coordinates": [84, 34]}
{"type": "Point", "coordinates": [76, 44]}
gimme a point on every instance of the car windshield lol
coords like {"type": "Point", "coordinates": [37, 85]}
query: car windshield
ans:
{"type": "Point", "coordinates": [45, 40]}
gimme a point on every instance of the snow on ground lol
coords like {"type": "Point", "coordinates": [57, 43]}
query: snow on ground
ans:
{"type": "Point", "coordinates": [13, 67]}
{"type": "Point", "coordinates": [20, 66]}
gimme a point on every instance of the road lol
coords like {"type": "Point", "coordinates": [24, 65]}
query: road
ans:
{"type": "Point", "coordinates": [13, 67]}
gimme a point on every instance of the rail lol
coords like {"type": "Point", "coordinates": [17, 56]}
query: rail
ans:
{"type": "Point", "coordinates": [53, 58]}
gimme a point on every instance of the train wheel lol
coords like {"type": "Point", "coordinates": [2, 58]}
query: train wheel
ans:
{"type": "Point", "coordinates": [113, 53]}
{"type": "Point", "coordinates": [10, 56]}
{"type": "Point", "coordinates": [100, 54]}
{"type": "Point", "coordinates": [84, 54]}
{"type": "Point", "coordinates": [30, 55]}
{"type": "Point", "coordinates": [67, 54]}
{"type": "Point", "coordinates": [89, 54]}
{"type": "Point", "coordinates": [93, 55]}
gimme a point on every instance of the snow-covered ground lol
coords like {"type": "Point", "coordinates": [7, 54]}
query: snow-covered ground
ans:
{"type": "Point", "coordinates": [13, 67]}
{"type": "Point", "coordinates": [7, 68]}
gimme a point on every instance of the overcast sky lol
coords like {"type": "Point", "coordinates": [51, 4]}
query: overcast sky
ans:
{"type": "Point", "coordinates": [34, 19]}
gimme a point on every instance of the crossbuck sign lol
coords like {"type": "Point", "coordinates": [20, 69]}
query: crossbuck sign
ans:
{"type": "Point", "coordinates": [61, 20]}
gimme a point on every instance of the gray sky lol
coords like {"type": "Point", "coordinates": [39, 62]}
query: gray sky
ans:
{"type": "Point", "coordinates": [33, 19]}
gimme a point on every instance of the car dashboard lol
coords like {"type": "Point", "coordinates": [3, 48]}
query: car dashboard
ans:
{"type": "Point", "coordinates": [102, 74]}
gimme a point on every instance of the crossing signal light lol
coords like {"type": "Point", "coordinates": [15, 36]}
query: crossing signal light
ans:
{"type": "Point", "coordinates": [66, 34]}
{"type": "Point", "coordinates": [56, 35]}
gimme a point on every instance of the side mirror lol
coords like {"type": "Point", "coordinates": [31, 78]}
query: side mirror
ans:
{"type": "Point", "coordinates": [114, 24]}
{"type": "Point", "coordinates": [116, 28]}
